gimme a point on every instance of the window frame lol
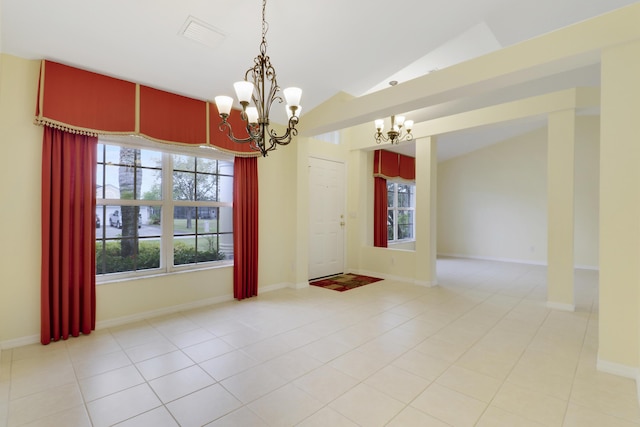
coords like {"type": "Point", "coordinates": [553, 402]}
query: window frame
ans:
{"type": "Point", "coordinates": [392, 206]}
{"type": "Point", "coordinates": [167, 205]}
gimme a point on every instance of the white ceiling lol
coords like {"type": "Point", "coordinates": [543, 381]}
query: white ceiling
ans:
{"type": "Point", "coordinates": [324, 47]}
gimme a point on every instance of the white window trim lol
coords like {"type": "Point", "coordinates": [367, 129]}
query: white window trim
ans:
{"type": "Point", "coordinates": [167, 205]}
{"type": "Point", "coordinates": [396, 210]}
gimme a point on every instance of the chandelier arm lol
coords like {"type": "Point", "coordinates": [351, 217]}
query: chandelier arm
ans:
{"type": "Point", "coordinates": [290, 132]}
{"type": "Point", "coordinates": [380, 138]}
{"type": "Point", "coordinates": [225, 126]}
{"type": "Point", "coordinates": [283, 139]}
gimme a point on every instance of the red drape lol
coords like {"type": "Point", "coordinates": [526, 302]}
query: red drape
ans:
{"type": "Point", "coordinates": [85, 102]}
{"type": "Point", "coordinates": [380, 212]}
{"type": "Point", "coordinates": [68, 299]}
{"type": "Point", "coordinates": [407, 167]}
{"type": "Point", "coordinates": [387, 164]}
{"type": "Point", "coordinates": [166, 116]}
{"type": "Point", "coordinates": [245, 227]}
{"type": "Point", "coordinates": [80, 101]}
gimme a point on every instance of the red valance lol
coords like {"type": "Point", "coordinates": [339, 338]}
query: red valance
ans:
{"type": "Point", "coordinates": [407, 167]}
{"type": "Point", "coordinates": [166, 116]}
{"type": "Point", "coordinates": [389, 165]}
{"type": "Point", "coordinates": [84, 102]}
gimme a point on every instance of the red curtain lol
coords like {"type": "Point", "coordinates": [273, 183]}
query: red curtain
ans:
{"type": "Point", "coordinates": [166, 116]}
{"type": "Point", "coordinates": [380, 212]}
{"type": "Point", "coordinates": [407, 167]}
{"type": "Point", "coordinates": [387, 164]}
{"type": "Point", "coordinates": [245, 227]}
{"type": "Point", "coordinates": [68, 299]}
{"type": "Point", "coordinates": [84, 102]}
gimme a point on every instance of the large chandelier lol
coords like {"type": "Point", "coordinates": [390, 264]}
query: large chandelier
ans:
{"type": "Point", "coordinates": [256, 116]}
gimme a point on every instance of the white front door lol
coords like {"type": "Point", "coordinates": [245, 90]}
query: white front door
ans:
{"type": "Point", "coordinates": [327, 218]}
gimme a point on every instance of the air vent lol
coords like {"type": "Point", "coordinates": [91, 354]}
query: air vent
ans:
{"type": "Point", "coordinates": [198, 30]}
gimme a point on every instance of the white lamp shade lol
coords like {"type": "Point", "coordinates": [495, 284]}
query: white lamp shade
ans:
{"type": "Point", "coordinates": [292, 95]}
{"type": "Point", "coordinates": [379, 124]}
{"type": "Point", "coordinates": [244, 90]}
{"type": "Point", "coordinates": [252, 114]}
{"type": "Point", "coordinates": [290, 112]}
{"type": "Point", "coordinates": [408, 124]}
{"type": "Point", "coordinates": [224, 104]}
{"type": "Point", "coordinates": [400, 121]}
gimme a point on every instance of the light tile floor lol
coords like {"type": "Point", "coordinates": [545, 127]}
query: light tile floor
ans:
{"type": "Point", "coordinates": [480, 350]}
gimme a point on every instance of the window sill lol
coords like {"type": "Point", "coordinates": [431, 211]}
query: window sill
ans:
{"type": "Point", "coordinates": [151, 275]}
{"type": "Point", "coordinates": [402, 244]}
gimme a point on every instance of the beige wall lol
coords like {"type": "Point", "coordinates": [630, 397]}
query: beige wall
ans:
{"type": "Point", "coordinates": [20, 194]}
{"type": "Point", "coordinates": [492, 203]}
{"type": "Point", "coordinates": [619, 327]}
{"type": "Point", "coordinates": [124, 300]}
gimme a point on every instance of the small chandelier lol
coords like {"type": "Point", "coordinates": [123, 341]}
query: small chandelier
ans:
{"type": "Point", "coordinates": [394, 134]}
{"type": "Point", "coordinates": [253, 88]}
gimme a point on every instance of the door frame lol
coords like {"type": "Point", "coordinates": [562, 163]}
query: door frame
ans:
{"type": "Point", "coordinates": [344, 206]}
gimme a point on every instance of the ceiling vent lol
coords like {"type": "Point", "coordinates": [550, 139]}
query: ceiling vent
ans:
{"type": "Point", "coordinates": [200, 31]}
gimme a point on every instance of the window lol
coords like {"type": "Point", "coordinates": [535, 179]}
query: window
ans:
{"type": "Point", "coordinates": [330, 137]}
{"type": "Point", "coordinates": [159, 211]}
{"type": "Point", "coordinates": [400, 211]}
{"type": "Point", "coordinates": [202, 221]}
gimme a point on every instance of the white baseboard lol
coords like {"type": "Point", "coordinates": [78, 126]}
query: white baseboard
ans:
{"type": "Point", "coordinates": [19, 342]}
{"type": "Point", "coordinates": [300, 285]}
{"type": "Point", "coordinates": [124, 320]}
{"type": "Point", "coordinates": [181, 307]}
{"type": "Point", "coordinates": [273, 287]}
{"type": "Point", "coordinates": [514, 261]}
{"type": "Point", "coordinates": [428, 284]}
{"type": "Point", "coordinates": [587, 267]}
{"type": "Point", "coordinates": [561, 306]}
{"type": "Point", "coordinates": [622, 371]}
{"type": "Point", "coordinates": [119, 321]}
{"type": "Point", "coordinates": [402, 279]}
{"type": "Point", "coordinates": [497, 259]}
{"type": "Point", "coordinates": [617, 369]}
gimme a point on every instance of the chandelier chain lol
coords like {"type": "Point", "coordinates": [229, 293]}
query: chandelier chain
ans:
{"type": "Point", "coordinates": [265, 28]}
{"type": "Point", "coordinates": [256, 106]}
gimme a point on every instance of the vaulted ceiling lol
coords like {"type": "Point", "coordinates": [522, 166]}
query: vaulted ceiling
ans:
{"type": "Point", "coordinates": [324, 47]}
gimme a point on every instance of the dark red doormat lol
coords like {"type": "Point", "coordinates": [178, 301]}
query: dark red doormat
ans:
{"type": "Point", "coordinates": [344, 282]}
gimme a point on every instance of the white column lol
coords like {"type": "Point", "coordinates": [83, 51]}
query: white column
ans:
{"type": "Point", "coordinates": [560, 211]}
{"type": "Point", "coordinates": [300, 263]}
{"type": "Point", "coordinates": [425, 215]}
